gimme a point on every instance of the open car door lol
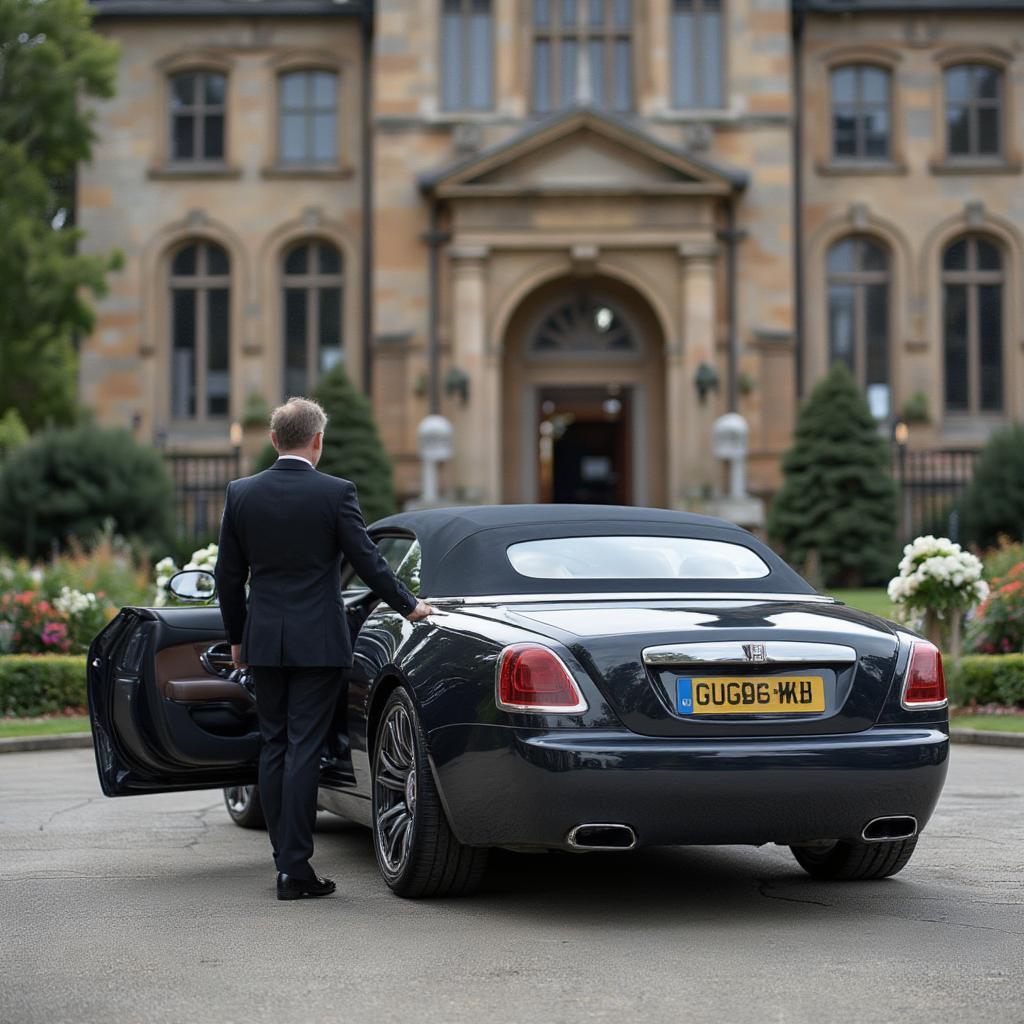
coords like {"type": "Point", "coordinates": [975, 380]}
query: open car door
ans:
{"type": "Point", "coordinates": [165, 714]}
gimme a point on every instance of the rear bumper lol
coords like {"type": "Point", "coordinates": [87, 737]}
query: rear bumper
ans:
{"type": "Point", "coordinates": [504, 787]}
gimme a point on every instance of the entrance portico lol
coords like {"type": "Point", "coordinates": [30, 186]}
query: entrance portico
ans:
{"type": "Point", "coordinates": [582, 299]}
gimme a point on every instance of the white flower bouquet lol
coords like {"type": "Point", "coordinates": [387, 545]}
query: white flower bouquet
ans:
{"type": "Point", "coordinates": [937, 581]}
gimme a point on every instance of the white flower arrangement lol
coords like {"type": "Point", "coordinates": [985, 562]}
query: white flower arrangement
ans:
{"type": "Point", "coordinates": [937, 575]}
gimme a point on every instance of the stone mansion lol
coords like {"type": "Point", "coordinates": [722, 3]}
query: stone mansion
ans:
{"type": "Point", "coordinates": [580, 229]}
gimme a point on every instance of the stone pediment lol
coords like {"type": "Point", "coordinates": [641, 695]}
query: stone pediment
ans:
{"type": "Point", "coordinates": [582, 151]}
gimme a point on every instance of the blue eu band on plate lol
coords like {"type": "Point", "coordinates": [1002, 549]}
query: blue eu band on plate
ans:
{"type": "Point", "coordinates": [749, 695]}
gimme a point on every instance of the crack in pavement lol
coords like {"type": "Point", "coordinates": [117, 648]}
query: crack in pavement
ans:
{"type": "Point", "coordinates": [64, 810]}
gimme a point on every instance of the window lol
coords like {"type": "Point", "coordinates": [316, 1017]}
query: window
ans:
{"type": "Point", "coordinates": [308, 118]}
{"type": "Point", "coordinates": [467, 55]}
{"type": "Point", "coordinates": [200, 332]}
{"type": "Point", "coordinates": [858, 315]}
{"type": "Point", "coordinates": [197, 115]}
{"type": "Point", "coordinates": [582, 53]}
{"type": "Point", "coordinates": [583, 323]}
{"type": "Point", "coordinates": [861, 114]}
{"type": "Point", "coordinates": [973, 110]}
{"type": "Point", "coordinates": [403, 557]}
{"type": "Point", "coordinates": [625, 558]}
{"type": "Point", "coordinates": [697, 49]}
{"type": "Point", "coordinates": [312, 286]}
{"type": "Point", "coordinates": [972, 291]}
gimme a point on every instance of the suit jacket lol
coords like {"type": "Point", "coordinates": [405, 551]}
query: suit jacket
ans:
{"type": "Point", "coordinates": [286, 530]}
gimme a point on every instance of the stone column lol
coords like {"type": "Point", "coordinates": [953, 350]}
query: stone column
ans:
{"type": "Point", "coordinates": [477, 457]}
{"type": "Point", "coordinates": [691, 464]}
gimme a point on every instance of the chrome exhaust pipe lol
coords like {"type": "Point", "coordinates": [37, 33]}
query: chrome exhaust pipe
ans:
{"type": "Point", "coordinates": [600, 836]}
{"type": "Point", "coordinates": [886, 829]}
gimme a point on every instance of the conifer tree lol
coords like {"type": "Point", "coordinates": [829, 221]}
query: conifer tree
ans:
{"type": "Point", "coordinates": [837, 504]}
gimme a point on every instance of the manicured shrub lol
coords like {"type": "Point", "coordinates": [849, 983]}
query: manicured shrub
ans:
{"type": "Point", "coordinates": [986, 679]}
{"type": "Point", "coordinates": [993, 503]}
{"type": "Point", "coordinates": [41, 684]}
{"type": "Point", "coordinates": [837, 504]}
{"type": "Point", "coordinates": [352, 446]}
{"type": "Point", "coordinates": [69, 483]}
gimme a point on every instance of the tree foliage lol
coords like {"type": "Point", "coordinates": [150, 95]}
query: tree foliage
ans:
{"type": "Point", "coordinates": [993, 504]}
{"type": "Point", "coordinates": [838, 501]}
{"type": "Point", "coordinates": [50, 61]}
{"type": "Point", "coordinates": [69, 483]}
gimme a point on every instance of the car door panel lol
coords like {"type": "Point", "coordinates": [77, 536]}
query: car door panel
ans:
{"type": "Point", "coordinates": [164, 715]}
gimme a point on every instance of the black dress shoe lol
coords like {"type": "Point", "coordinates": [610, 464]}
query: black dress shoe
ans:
{"type": "Point", "coordinates": [289, 888]}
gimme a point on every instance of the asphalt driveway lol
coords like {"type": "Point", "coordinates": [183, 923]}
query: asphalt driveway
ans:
{"type": "Point", "coordinates": [158, 909]}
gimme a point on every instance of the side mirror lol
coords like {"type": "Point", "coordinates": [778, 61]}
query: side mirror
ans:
{"type": "Point", "coordinates": [193, 585]}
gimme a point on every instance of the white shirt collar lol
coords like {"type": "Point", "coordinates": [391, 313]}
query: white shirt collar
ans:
{"type": "Point", "coordinates": [301, 458]}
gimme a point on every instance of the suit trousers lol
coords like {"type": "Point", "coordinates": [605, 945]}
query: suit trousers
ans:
{"type": "Point", "coordinates": [295, 707]}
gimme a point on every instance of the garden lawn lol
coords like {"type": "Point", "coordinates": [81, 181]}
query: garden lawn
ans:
{"type": "Point", "coordinates": [990, 723]}
{"type": "Point", "coordinates": [42, 726]}
{"type": "Point", "coordinates": [867, 599]}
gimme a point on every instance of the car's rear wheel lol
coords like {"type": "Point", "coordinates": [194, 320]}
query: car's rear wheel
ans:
{"type": "Point", "coordinates": [417, 853]}
{"type": "Point", "coordinates": [851, 860]}
{"type": "Point", "coordinates": [244, 807]}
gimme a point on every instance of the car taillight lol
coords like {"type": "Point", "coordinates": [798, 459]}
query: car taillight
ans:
{"type": "Point", "coordinates": [534, 678]}
{"type": "Point", "coordinates": [925, 684]}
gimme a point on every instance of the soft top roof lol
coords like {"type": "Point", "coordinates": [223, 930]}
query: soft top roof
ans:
{"type": "Point", "coordinates": [463, 547]}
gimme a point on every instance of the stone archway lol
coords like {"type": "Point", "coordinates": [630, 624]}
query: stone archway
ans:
{"type": "Point", "coordinates": [583, 396]}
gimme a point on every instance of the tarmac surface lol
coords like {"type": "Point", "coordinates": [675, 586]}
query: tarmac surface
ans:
{"type": "Point", "coordinates": [158, 909]}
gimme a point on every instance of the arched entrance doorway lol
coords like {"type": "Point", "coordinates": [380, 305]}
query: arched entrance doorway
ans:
{"type": "Point", "coordinates": [583, 389]}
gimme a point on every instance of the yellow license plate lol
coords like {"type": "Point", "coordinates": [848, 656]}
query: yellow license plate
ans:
{"type": "Point", "coordinates": [750, 695]}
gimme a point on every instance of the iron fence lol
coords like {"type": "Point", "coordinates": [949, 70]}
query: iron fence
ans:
{"type": "Point", "coordinates": [199, 483]}
{"type": "Point", "coordinates": [929, 484]}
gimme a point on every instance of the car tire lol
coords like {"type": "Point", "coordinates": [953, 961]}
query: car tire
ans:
{"type": "Point", "coordinates": [244, 806]}
{"type": "Point", "coordinates": [852, 860]}
{"type": "Point", "coordinates": [416, 850]}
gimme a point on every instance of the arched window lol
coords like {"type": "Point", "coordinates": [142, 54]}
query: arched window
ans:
{"type": "Point", "coordinates": [861, 114]}
{"type": "Point", "coordinates": [467, 54]}
{"type": "Point", "coordinates": [698, 44]}
{"type": "Point", "coordinates": [582, 52]}
{"type": "Point", "coordinates": [581, 324]}
{"type": "Point", "coordinates": [858, 315]}
{"type": "Point", "coordinates": [197, 115]}
{"type": "Point", "coordinates": [313, 286]}
{"type": "Point", "coordinates": [308, 118]}
{"type": "Point", "coordinates": [200, 282]}
{"type": "Point", "coordinates": [974, 114]}
{"type": "Point", "coordinates": [972, 315]}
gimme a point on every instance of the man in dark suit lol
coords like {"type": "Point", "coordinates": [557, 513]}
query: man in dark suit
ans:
{"type": "Point", "coordinates": [285, 530]}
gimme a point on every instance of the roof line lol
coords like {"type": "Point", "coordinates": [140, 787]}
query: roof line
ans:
{"type": "Point", "coordinates": [226, 8]}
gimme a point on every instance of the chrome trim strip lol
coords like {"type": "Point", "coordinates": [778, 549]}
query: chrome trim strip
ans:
{"type": "Point", "coordinates": [730, 652]}
{"type": "Point", "coordinates": [571, 837]}
{"type": "Point", "coordinates": [889, 839]}
{"type": "Point", "coordinates": [538, 709]}
{"type": "Point", "coordinates": [658, 595]}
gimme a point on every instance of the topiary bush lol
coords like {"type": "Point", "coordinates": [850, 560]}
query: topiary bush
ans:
{"type": "Point", "coordinates": [352, 446]}
{"type": "Point", "coordinates": [41, 684]}
{"type": "Point", "coordinates": [70, 483]}
{"type": "Point", "coordinates": [837, 503]}
{"type": "Point", "coordinates": [993, 504]}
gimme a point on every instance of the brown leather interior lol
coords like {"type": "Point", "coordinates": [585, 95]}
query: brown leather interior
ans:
{"type": "Point", "coordinates": [180, 676]}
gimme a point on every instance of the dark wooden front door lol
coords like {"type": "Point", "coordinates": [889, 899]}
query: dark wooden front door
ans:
{"type": "Point", "coordinates": [585, 445]}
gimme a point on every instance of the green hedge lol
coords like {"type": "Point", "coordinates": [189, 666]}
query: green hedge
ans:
{"type": "Point", "coordinates": [41, 684]}
{"type": "Point", "coordinates": [987, 679]}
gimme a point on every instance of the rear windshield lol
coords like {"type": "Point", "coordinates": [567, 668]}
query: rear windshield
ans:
{"type": "Point", "coordinates": [622, 558]}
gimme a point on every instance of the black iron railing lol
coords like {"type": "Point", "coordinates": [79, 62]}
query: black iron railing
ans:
{"type": "Point", "coordinates": [199, 483]}
{"type": "Point", "coordinates": [929, 483]}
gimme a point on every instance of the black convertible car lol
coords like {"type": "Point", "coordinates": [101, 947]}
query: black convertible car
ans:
{"type": "Point", "coordinates": [596, 678]}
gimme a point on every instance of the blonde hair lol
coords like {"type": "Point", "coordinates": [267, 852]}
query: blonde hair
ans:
{"type": "Point", "coordinates": [296, 422]}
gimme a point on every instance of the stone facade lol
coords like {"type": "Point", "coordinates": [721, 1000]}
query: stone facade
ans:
{"type": "Point", "coordinates": [502, 236]}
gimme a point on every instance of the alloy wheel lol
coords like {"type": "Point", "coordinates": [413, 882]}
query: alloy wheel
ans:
{"type": "Point", "coordinates": [395, 790]}
{"type": "Point", "coordinates": [238, 798]}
